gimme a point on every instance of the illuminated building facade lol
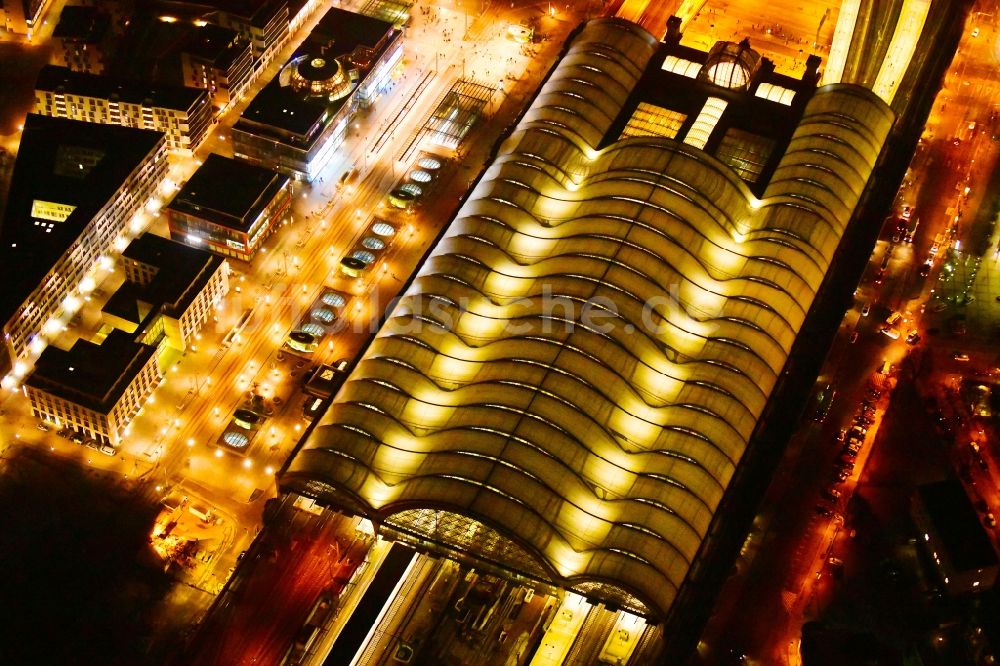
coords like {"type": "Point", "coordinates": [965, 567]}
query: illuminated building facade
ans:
{"type": "Point", "coordinates": [170, 291]}
{"type": "Point", "coordinates": [218, 60]}
{"type": "Point", "coordinates": [264, 22]}
{"type": "Point", "coordinates": [571, 381]}
{"type": "Point", "coordinates": [954, 537]}
{"type": "Point", "coordinates": [82, 39]}
{"type": "Point", "coordinates": [94, 389]}
{"type": "Point", "coordinates": [300, 118]}
{"type": "Point", "coordinates": [230, 207]}
{"type": "Point", "coordinates": [183, 114]}
{"type": "Point", "coordinates": [24, 17]}
{"type": "Point", "coordinates": [75, 190]}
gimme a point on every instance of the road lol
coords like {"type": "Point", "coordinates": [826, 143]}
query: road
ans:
{"type": "Point", "coordinates": [303, 557]}
{"type": "Point", "coordinates": [783, 572]}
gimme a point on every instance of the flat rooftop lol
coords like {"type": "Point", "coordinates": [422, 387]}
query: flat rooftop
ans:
{"type": "Point", "coordinates": [65, 162]}
{"type": "Point", "coordinates": [52, 78]}
{"type": "Point", "coordinates": [957, 523]}
{"type": "Point", "coordinates": [89, 374]}
{"type": "Point", "coordinates": [83, 24]}
{"type": "Point", "coordinates": [212, 43]}
{"type": "Point", "coordinates": [183, 271]}
{"type": "Point", "coordinates": [279, 111]}
{"type": "Point", "coordinates": [344, 31]}
{"type": "Point", "coordinates": [228, 192]}
{"type": "Point", "coordinates": [254, 12]}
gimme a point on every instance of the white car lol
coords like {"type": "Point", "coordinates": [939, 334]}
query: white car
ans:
{"type": "Point", "coordinates": [108, 450]}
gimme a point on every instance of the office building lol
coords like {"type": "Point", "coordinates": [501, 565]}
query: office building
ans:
{"type": "Point", "coordinates": [170, 290]}
{"type": "Point", "coordinates": [230, 207]}
{"type": "Point", "coordinates": [954, 537]}
{"type": "Point", "coordinates": [94, 389]}
{"type": "Point", "coordinates": [300, 118]}
{"type": "Point", "coordinates": [183, 114]}
{"type": "Point", "coordinates": [75, 192]}
{"type": "Point", "coordinates": [573, 378]}
{"type": "Point", "coordinates": [82, 40]}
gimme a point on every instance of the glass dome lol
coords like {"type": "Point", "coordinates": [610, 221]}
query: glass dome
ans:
{"type": "Point", "coordinates": [319, 76]}
{"type": "Point", "coordinates": [363, 255]}
{"type": "Point", "coordinates": [373, 243]}
{"type": "Point", "coordinates": [411, 188]}
{"type": "Point", "coordinates": [383, 229]}
{"type": "Point", "coordinates": [322, 314]}
{"type": "Point", "coordinates": [429, 163]}
{"type": "Point", "coordinates": [315, 329]}
{"type": "Point", "coordinates": [420, 176]}
{"type": "Point", "coordinates": [334, 299]}
{"type": "Point", "coordinates": [237, 440]}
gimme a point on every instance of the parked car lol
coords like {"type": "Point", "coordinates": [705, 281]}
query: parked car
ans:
{"type": "Point", "coordinates": [960, 356]}
{"type": "Point", "coordinates": [42, 427]}
{"type": "Point", "coordinates": [823, 511]}
{"type": "Point", "coordinates": [866, 308]}
{"type": "Point", "coordinates": [831, 493]}
{"type": "Point", "coordinates": [990, 520]}
{"type": "Point", "coordinates": [108, 450]}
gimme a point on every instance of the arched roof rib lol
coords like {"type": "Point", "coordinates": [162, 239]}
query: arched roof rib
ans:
{"type": "Point", "coordinates": [603, 450]}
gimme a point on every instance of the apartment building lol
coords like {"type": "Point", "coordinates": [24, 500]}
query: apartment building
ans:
{"type": "Point", "coordinates": [170, 291]}
{"type": "Point", "coordinates": [94, 389]}
{"type": "Point", "coordinates": [183, 114]}
{"type": "Point", "coordinates": [82, 39]}
{"type": "Point", "coordinates": [74, 191]}
{"type": "Point", "coordinates": [218, 60]}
